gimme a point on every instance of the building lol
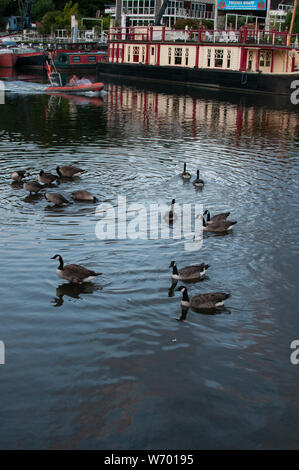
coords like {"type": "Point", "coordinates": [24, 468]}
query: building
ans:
{"type": "Point", "coordinates": [146, 12]}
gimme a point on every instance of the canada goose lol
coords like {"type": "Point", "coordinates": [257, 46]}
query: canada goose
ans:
{"type": "Point", "coordinates": [18, 175]}
{"type": "Point", "coordinates": [185, 175]}
{"type": "Point", "coordinates": [83, 195]}
{"type": "Point", "coordinates": [74, 272]}
{"type": "Point", "coordinates": [32, 187]}
{"type": "Point", "coordinates": [170, 215]}
{"type": "Point", "coordinates": [216, 218]}
{"type": "Point", "coordinates": [219, 227]}
{"type": "Point", "coordinates": [68, 171]}
{"type": "Point", "coordinates": [198, 183]}
{"type": "Point", "coordinates": [189, 273]}
{"type": "Point", "coordinates": [57, 199]}
{"type": "Point", "coordinates": [46, 178]}
{"type": "Point", "coordinates": [202, 301]}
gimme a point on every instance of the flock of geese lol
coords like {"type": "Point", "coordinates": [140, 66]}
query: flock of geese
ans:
{"type": "Point", "coordinates": [218, 224]}
{"type": "Point", "coordinates": [78, 274]}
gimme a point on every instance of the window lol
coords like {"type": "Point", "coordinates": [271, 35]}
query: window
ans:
{"type": "Point", "coordinates": [76, 58]}
{"type": "Point", "coordinates": [218, 57]}
{"type": "Point", "coordinates": [153, 51]}
{"type": "Point", "coordinates": [91, 58]}
{"type": "Point", "coordinates": [228, 58]}
{"type": "Point", "coordinates": [169, 55]}
{"type": "Point", "coordinates": [262, 59]}
{"type": "Point", "coordinates": [250, 60]}
{"type": "Point", "coordinates": [209, 58]}
{"type": "Point", "coordinates": [129, 53]}
{"type": "Point", "coordinates": [143, 54]}
{"type": "Point", "coordinates": [186, 56]}
{"type": "Point", "coordinates": [178, 52]}
{"type": "Point", "coordinates": [135, 53]}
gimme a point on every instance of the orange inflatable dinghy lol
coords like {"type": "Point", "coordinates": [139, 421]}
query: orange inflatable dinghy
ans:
{"type": "Point", "coordinates": [76, 88]}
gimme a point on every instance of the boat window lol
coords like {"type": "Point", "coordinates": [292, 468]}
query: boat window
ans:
{"type": "Point", "coordinates": [169, 55]}
{"type": "Point", "coordinates": [186, 56]}
{"type": "Point", "coordinates": [129, 53]}
{"type": "Point", "coordinates": [153, 51]}
{"type": "Point", "coordinates": [135, 54]}
{"type": "Point", "coordinates": [76, 58]}
{"type": "Point", "coordinates": [91, 58]}
{"type": "Point", "coordinates": [218, 57]}
{"type": "Point", "coordinates": [250, 60]}
{"type": "Point", "coordinates": [268, 58]}
{"type": "Point", "coordinates": [209, 58]}
{"type": "Point", "coordinates": [228, 58]}
{"type": "Point", "coordinates": [178, 53]}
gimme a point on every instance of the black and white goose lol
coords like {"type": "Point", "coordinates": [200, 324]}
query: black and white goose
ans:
{"type": "Point", "coordinates": [218, 227]}
{"type": "Point", "coordinates": [18, 175]}
{"type": "Point", "coordinates": [188, 273]}
{"type": "Point", "coordinates": [83, 195]}
{"type": "Point", "coordinates": [198, 183]}
{"type": "Point", "coordinates": [74, 272]}
{"type": "Point", "coordinates": [185, 175]}
{"type": "Point", "coordinates": [57, 199]}
{"type": "Point", "coordinates": [32, 187]}
{"type": "Point", "coordinates": [208, 301]}
{"type": "Point", "coordinates": [46, 178]}
{"type": "Point", "coordinates": [216, 218]}
{"type": "Point", "coordinates": [68, 171]}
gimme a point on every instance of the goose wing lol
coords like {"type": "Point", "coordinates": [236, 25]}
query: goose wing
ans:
{"type": "Point", "coordinates": [192, 270]}
{"type": "Point", "coordinates": [75, 272]}
{"type": "Point", "coordinates": [208, 300]}
{"type": "Point", "coordinates": [221, 226]}
{"type": "Point", "coordinates": [220, 217]}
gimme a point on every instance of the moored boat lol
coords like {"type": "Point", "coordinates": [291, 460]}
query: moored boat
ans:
{"type": "Point", "coordinates": [8, 58]}
{"type": "Point", "coordinates": [79, 55]}
{"type": "Point", "coordinates": [246, 59]}
{"type": "Point", "coordinates": [29, 57]}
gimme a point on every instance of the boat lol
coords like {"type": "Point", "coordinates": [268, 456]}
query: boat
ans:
{"type": "Point", "coordinates": [8, 58]}
{"type": "Point", "coordinates": [57, 86]}
{"type": "Point", "coordinates": [85, 55]}
{"type": "Point", "coordinates": [29, 57]}
{"type": "Point", "coordinates": [76, 88]}
{"type": "Point", "coordinates": [248, 59]}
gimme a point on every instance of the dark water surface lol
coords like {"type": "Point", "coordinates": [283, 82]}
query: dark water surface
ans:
{"type": "Point", "coordinates": [106, 365]}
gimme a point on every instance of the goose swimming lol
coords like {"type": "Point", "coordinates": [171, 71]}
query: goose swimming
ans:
{"type": "Point", "coordinates": [74, 272]}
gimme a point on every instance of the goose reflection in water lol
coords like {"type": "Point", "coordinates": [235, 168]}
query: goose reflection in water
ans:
{"type": "Point", "coordinates": [33, 198]}
{"type": "Point", "coordinates": [215, 311]}
{"type": "Point", "coordinates": [74, 291]}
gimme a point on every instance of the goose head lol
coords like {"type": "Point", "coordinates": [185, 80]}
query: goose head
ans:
{"type": "Point", "coordinates": [58, 171]}
{"type": "Point", "coordinates": [58, 257]}
{"type": "Point", "coordinates": [172, 264]}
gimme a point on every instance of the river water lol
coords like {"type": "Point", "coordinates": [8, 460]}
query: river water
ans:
{"type": "Point", "coordinates": [107, 365]}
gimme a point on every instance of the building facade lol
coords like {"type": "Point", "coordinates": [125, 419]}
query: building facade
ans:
{"type": "Point", "coordinates": [145, 12]}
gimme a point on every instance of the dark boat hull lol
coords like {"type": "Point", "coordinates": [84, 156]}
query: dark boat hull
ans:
{"type": "Point", "coordinates": [30, 60]}
{"type": "Point", "coordinates": [240, 81]}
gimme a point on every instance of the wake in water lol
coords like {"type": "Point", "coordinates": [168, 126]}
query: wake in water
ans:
{"type": "Point", "coordinates": [24, 88]}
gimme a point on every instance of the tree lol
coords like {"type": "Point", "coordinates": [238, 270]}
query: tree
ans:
{"type": "Point", "coordinates": [40, 8]}
{"type": "Point", "coordinates": [49, 22]}
{"type": "Point", "coordinates": [288, 20]}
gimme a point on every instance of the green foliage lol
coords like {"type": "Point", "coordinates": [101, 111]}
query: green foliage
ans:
{"type": "Point", "coordinates": [288, 20]}
{"type": "Point", "coordinates": [40, 8]}
{"type": "Point", "coordinates": [182, 23]}
{"type": "Point", "coordinates": [49, 22]}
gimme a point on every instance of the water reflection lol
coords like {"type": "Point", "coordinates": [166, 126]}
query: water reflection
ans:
{"type": "Point", "coordinates": [74, 291]}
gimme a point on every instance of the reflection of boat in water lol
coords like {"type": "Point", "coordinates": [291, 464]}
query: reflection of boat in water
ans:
{"type": "Point", "coordinates": [79, 100]}
{"type": "Point", "coordinates": [76, 88]}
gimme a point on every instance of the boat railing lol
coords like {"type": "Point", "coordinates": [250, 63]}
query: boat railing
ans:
{"type": "Point", "coordinates": [164, 34]}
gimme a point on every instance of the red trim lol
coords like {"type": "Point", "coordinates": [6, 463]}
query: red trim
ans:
{"type": "Point", "coordinates": [293, 64]}
{"type": "Point", "coordinates": [243, 59]}
{"type": "Point", "coordinates": [197, 56]}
